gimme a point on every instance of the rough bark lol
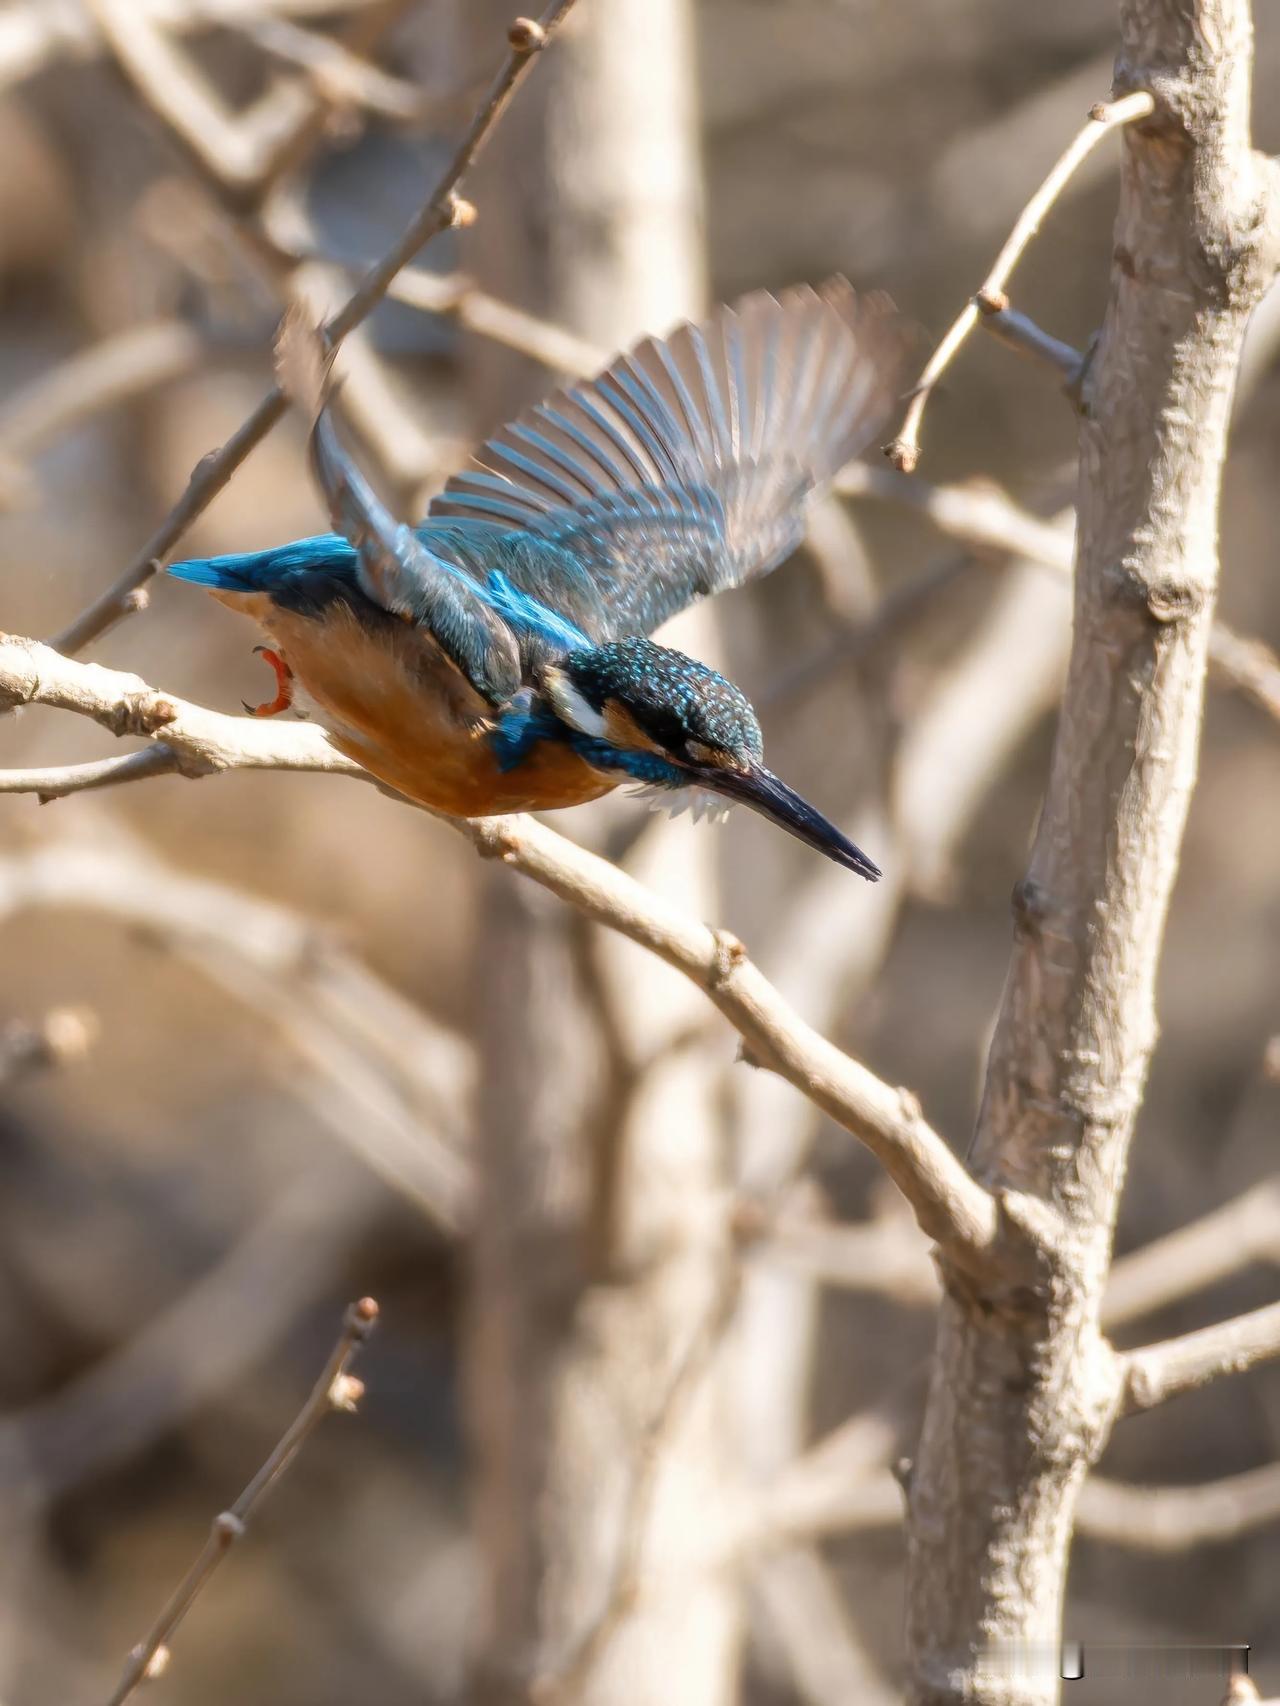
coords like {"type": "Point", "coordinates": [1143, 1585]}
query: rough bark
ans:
{"type": "Point", "coordinates": [593, 1272]}
{"type": "Point", "coordinates": [1024, 1388]}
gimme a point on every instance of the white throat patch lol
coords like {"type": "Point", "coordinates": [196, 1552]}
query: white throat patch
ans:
{"type": "Point", "coordinates": [700, 802]}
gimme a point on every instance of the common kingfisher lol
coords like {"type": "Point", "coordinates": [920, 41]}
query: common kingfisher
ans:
{"type": "Point", "coordinates": [497, 657]}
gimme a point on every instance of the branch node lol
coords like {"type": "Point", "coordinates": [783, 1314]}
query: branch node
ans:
{"type": "Point", "coordinates": [462, 212]}
{"type": "Point", "coordinates": [227, 1527]}
{"type": "Point", "coordinates": [903, 455]}
{"type": "Point", "coordinates": [990, 301]}
{"type": "Point", "coordinates": [346, 1392]}
{"type": "Point", "coordinates": [729, 955]}
{"type": "Point", "coordinates": [527, 36]}
{"type": "Point", "coordinates": [156, 714]}
{"type": "Point", "coordinates": [362, 1316]}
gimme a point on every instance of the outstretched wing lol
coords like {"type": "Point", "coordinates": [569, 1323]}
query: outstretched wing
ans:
{"type": "Point", "coordinates": [684, 467]}
{"type": "Point", "coordinates": [393, 566]}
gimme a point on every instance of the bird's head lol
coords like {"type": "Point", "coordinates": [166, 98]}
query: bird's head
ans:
{"type": "Point", "coordinates": [670, 723]}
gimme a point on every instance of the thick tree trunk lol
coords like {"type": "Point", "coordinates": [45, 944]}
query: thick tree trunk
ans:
{"type": "Point", "coordinates": [594, 1272]}
{"type": "Point", "coordinates": [1023, 1389]}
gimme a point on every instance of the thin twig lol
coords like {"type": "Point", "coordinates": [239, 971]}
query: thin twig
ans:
{"type": "Point", "coordinates": [112, 371]}
{"type": "Point", "coordinates": [36, 33]}
{"type": "Point", "coordinates": [388, 1082]}
{"type": "Point", "coordinates": [335, 1389]}
{"type": "Point", "coordinates": [981, 514]}
{"type": "Point", "coordinates": [949, 1204]}
{"type": "Point", "coordinates": [990, 298]}
{"type": "Point", "coordinates": [564, 1682]}
{"type": "Point", "coordinates": [1158, 1372]}
{"type": "Point", "coordinates": [340, 76]}
{"type": "Point", "coordinates": [441, 209]}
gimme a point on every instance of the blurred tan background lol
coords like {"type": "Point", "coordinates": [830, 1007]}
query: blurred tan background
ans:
{"type": "Point", "coordinates": [185, 1209]}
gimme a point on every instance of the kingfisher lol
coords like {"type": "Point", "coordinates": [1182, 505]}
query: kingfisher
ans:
{"type": "Point", "coordinates": [498, 657]}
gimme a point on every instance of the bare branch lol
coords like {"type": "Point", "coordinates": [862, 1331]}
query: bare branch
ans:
{"type": "Point", "coordinates": [474, 309]}
{"type": "Point", "coordinates": [949, 1205]}
{"type": "Point", "coordinates": [174, 87]}
{"type": "Point", "coordinates": [806, 1506]}
{"type": "Point", "coordinates": [341, 77]}
{"type": "Point", "coordinates": [1162, 1371]}
{"type": "Point", "coordinates": [904, 451]}
{"type": "Point", "coordinates": [35, 34]}
{"type": "Point", "coordinates": [980, 514]}
{"type": "Point", "coordinates": [335, 1389]}
{"type": "Point", "coordinates": [1195, 1257]}
{"type": "Point", "coordinates": [1019, 332]}
{"type": "Point", "coordinates": [381, 1077]}
{"type": "Point", "coordinates": [1174, 1519]}
{"type": "Point", "coordinates": [565, 1680]}
{"type": "Point", "coordinates": [118, 368]}
{"type": "Point", "coordinates": [441, 209]}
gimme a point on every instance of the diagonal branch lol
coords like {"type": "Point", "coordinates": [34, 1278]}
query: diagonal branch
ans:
{"type": "Point", "coordinates": [1161, 1371]}
{"type": "Point", "coordinates": [441, 209]}
{"type": "Point", "coordinates": [334, 1390]}
{"type": "Point", "coordinates": [990, 302]}
{"type": "Point", "coordinates": [949, 1205]}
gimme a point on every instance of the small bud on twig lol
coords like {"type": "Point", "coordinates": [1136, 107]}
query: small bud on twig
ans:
{"type": "Point", "coordinates": [526, 35]}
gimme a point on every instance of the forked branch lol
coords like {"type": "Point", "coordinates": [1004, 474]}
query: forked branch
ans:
{"type": "Point", "coordinates": [949, 1205]}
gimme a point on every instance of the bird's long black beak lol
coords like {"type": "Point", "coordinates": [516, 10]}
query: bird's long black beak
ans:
{"type": "Point", "coordinates": [763, 792]}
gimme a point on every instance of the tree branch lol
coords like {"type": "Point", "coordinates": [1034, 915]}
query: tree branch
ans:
{"type": "Point", "coordinates": [441, 209]}
{"type": "Point", "coordinates": [949, 1205]}
{"type": "Point", "coordinates": [1017, 1414]}
{"type": "Point", "coordinates": [1194, 1257]}
{"type": "Point", "coordinates": [990, 299]}
{"type": "Point", "coordinates": [1162, 1371]}
{"type": "Point", "coordinates": [335, 1389]}
{"type": "Point", "coordinates": [1174, 1519]}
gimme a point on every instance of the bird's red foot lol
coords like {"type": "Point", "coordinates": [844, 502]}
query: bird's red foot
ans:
{"type": "Point", "coordinates": [284, 686]}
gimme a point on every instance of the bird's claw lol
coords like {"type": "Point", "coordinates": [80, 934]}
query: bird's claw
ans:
{"type": "Point", "coordinates": [284, 686]}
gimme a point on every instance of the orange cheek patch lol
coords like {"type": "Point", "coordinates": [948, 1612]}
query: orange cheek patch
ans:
{"type": "Point", "coordinates": [623, 730]}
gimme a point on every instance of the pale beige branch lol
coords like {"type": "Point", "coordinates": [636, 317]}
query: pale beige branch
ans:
{"type": "Point", "coordinates": [34, 34]}
{"type": "Point", "coordinates": [454, 295]}
{"type": "Point", "coordinates": [564, 1682]}
{"type": "Point", "coordinates": [880, 1256]}
{"type": "Point", "coordinates": [1194, 1257]}
{"type": "Point", "coordinates": [106, 374]}
{"type": "Point", "coordinates": [174, 87]}
{"type": "Point", "coordinates": [810, 1625]}
{"type": "Point", "coordinates": [949, 1205]}
{"type": "Point", "coordinates": [1174, 1519]}
{"type": "Point", "coordinates": [980, 514]}
{"type": "Point", "coordinates": [1162, 1371]}
{"type": "Point", "coordinates": [339, 76]}
{"type": "Point", "coordinates": [805, 1506]}
{"type": "Point", "coordinates": [440, 209]}
{"type": "Point", "coordinates": [904, 451]}
{"type": "Point", "coordinates": [380, 1076]}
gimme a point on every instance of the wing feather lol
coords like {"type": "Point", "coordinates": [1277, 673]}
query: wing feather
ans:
{"type": "Point", "coordinates": [684, 467]}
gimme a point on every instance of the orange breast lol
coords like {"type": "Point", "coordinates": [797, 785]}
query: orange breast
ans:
{"type": "Point", "coordinates": [391, 700]}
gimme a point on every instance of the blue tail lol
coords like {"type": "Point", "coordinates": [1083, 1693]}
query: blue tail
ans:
{"type": "Point", "coordinates": [268, 571]}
